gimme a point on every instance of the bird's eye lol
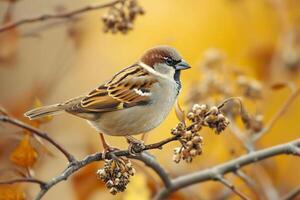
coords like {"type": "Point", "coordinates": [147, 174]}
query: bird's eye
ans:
{"type": "Point", "coordinates": [169, 61]}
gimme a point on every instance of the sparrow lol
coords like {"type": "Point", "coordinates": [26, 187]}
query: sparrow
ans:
{"type": "Point", "coordinates": [134, 101]}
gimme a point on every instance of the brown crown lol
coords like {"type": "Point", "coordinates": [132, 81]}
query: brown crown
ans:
{"type": "Point", "coordinates": [157, 55]}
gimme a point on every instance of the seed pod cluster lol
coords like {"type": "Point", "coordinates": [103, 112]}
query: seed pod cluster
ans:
{"type": "Point", "coordinates": [191, 141]}
{"type": "Point", "coordinates": [212, 117]}
{"type": "Point", "coordinates": [120, 17]}
{"type": "Point", "coordinates": [116, 174]}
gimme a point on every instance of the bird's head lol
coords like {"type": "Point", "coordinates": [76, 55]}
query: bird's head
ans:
{"type": "Point", "coordinates": [165, 60]}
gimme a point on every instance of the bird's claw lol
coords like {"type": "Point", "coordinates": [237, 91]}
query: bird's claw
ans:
{"type": "Point", "coordinates": [136, 147]}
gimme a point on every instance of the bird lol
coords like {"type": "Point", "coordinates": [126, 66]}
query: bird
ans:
{"type": "Point", "coordinates": [134, 101]}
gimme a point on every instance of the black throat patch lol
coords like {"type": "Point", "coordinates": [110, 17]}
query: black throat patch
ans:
{"type": "Point", "coordinates": [177, 80]}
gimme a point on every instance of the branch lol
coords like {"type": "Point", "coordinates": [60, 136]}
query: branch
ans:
{"type": "Point", "coordinates": [279, 113]}
{"type": "Point", "coordinates": [242, 137]}
{"type": "Point", "coordinates": [292, 195]}
{"type": "Point", "coordinates": [229, 185]}
{"type": "Point", "coordinates": [3, 111]}
{"type": "Point", "coordinates": [248, 181]}
{"type": "Point", "coordinates": [7, 119]}
{"type": "Point", "coordinates": [230, 166]}
{"type": "Point", "coordinates": [150, 161]}
{"type": "Point", "coordinates": [236, 131]}
{"type": "Point", "coordinates": [66, 15]}
{"type": "Point", "coordinates": [20, 180]}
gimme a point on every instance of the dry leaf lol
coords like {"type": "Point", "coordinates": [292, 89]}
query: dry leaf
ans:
{"type": "Point", "coordinates": [179, 112]}
{"type": "Point", "coordinates": [11, 192]}
{"type": "Point", "coordinates": [24, 155]}
{"type": "Point", "coordinates": [278, 86]}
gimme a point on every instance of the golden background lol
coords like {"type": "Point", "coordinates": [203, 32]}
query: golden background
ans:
{"type": "Point", "coordinates": [68, 60]}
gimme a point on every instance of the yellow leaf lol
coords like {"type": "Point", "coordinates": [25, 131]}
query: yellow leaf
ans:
{"type": "Point", "coordinates": [11, 192]}
{"type": "Point", "coordinates": [137, 189]}
{"type": "Point", "coordinates": [24, 155]}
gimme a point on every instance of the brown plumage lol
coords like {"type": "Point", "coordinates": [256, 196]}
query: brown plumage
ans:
{"type": "Point", "coordinates": [120, 91]}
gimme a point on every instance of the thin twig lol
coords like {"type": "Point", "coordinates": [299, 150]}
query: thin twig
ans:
{"type": "Point", "coordinates": [159, 145]}
{"type": "Point", "coordinates": [265, 182]}
{"type": "Point", "coordinates": [248, 181]}
{"type": "Point", "coordinates": [66, 15]}
{"type": "Point", "coordinates": [244, 140]}
{"type": "Point", "coordinates": [3, 111]}
{"type": "Point", "coordinates": [230, 166]}
{"type": "Point", "coordinates": [229, 185]}
{"type": "Point", "coordinates": [292, 195]}
{"type": "Point", "coordinates": [242, 137]}
{"type": "Point", "coordinates": [279, 114]}
{"type": "Point", "coordinates": [20, 180]}
{"type": "Point", "coordinates": [39, 133]}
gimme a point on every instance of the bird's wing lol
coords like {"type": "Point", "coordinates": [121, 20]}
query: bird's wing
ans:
{"type": "Point", "coordinates": [129, 87]}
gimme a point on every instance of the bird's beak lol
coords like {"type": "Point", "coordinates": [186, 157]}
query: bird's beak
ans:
{"type": "Point", "coordinates": [182, 65]}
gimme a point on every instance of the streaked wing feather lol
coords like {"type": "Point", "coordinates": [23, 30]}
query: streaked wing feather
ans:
{"type": "Point", "coordinates": [120, 92]}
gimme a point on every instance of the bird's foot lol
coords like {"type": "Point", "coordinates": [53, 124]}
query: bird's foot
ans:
{"type": "Point", "coordinates": [107, 150]}
{"type": "Point", "coordinates": [135, 146]}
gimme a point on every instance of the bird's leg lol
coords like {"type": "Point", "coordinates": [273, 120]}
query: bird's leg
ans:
{"type": "Point", "coordinates": [135, 145]}
{"type": "Point", "coordinates": [106, 147]}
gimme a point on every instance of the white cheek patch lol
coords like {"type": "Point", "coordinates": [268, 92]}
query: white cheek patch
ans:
{"type": "Point", "coordinates": [141, 93]}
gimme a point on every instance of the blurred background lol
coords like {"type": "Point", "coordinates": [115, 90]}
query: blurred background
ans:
{"type": "Point", "coordinates": [55, 60]}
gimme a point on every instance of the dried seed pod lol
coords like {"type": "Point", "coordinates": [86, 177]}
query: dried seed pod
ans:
{"type": "Point", "coordinates": [197, 139]}
{"type": "Point", "coordinates": [191, 141]}
{"type": "Point", "coordinates": [214, 110]}
{"type": "Point", "coordinates": [176, 158]}
{"type": "Point", "coordinates": [116, 173]}
{"type": "Point", "coordinates": [193, 152]}
{"type": "Point", "coordinates": [191, 116]}
{"type": "Point", "coordinates": [120, 17]}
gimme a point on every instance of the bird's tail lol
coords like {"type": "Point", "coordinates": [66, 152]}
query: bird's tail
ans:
{"type": "Point", "coordinates": [45, 111]}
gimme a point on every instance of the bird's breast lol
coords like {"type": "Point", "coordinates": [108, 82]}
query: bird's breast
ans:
{"type": "Point", "coordinates": [140, 119]}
